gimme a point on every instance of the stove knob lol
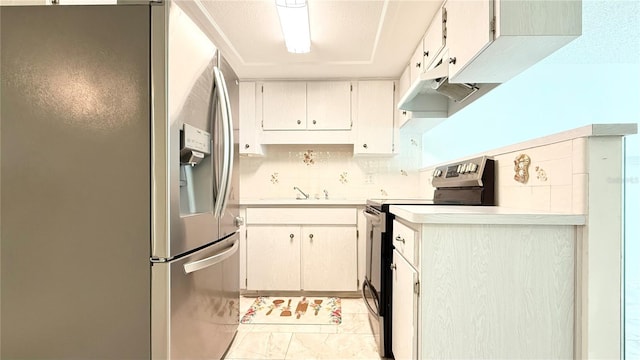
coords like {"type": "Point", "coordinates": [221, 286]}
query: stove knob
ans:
{"type": "Point", "coordinates": [459, 169]}
{"type": "Point", "coordinates": [473, 167]}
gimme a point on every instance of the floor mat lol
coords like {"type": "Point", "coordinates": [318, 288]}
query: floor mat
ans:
{"type": "Point", "coordinates": [294, 310]}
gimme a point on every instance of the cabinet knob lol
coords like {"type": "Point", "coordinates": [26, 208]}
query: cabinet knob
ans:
{"type": "Point", "coordinates": [452, 60]}
{"type": "Point", "coordinates": [404, 113]}
{"type": "Point", "coordinates": [314, 122]}
{"type": "Point", "coordinates": [426, 53]}
{"type": "Point", "coordinates": [246, 146]}
{"type": "Point", "coordinates": [392, 267]}
{"type": "Point", "coordinates": [311, 236]}
{"type": "Point", "coordinates": [418, 64]}
{"type": "Point", "coordinates": [291, 236]}
{"type": "Point", "coordinates": [299, 122]}
{"type": "Point", "coordinates": [400, 239]}
{"type": "Point", "coordinates": [364, 146]}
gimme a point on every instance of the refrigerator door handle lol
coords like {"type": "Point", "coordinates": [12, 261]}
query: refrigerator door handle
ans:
{"type": "Point", "coordinates": [226, 116]}
{"type": "Point", "coordinates": [212, 260]}
{"type": "Point", "coordinates": [228, 142]}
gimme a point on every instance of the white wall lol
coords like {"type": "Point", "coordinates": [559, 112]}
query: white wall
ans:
{"type": "Point", "coordinates": [594, 79]}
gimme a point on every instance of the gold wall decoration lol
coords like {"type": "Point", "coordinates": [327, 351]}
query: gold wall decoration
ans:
{"type": "Point", "coordinates": [521, 168]}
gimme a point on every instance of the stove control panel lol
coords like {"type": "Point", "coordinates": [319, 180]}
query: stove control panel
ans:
{"type": "Point", "coordinates": [461, 174]}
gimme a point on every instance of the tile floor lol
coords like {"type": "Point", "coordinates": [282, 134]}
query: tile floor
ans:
{"type": "Point", "coordinates": [350, 340]}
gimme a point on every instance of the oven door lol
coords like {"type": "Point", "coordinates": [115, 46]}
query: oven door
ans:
{"type": "Point", "coordinates": [375, 229]}
{"type": "Point", "coordinates": [373, 276]}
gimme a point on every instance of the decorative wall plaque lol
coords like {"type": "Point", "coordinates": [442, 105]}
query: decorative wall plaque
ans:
{"type": "Point", "coordinates": [521, 168]}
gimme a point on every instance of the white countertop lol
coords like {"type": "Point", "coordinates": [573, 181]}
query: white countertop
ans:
{"type": "Point", "coordinates": [296, 202]}
{"type": "Point", "coordinates": [442, 214]}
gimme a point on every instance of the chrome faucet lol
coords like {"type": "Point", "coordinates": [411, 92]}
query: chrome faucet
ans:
{"type": "Point", "coordinates": [326, 194]}
{"type": "Point", "coordinates": [306, 196]}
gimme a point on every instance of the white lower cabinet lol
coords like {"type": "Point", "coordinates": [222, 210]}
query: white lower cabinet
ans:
{"type": "Point", "coordinates": [314, 250]}
{"type": "Point", "coordinates": [328, 258]}
{"type": "Point", "coordinates": [404, 332]}
{"type": "Point", "coordinates": [273, 257]}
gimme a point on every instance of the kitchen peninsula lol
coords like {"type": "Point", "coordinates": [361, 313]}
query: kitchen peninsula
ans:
{"type": "Point", "coordinates": [488, 282]}
{"type": "Point", "coordinates": [542, 267]}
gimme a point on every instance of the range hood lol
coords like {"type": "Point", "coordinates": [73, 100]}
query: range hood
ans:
{"type": "Point", "coordinates": [432, 87]}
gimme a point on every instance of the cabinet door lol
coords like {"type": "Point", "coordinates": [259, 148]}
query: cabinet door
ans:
{"type": "Point", "coordinates": [249, 143]}
{"type": "Point", "coordinates": [434, 40]}
{"type": "Point", "coordinates": [273, 257]}
{"type": "Point", "coordinates": [404, 326]}
{"type": "Point", "coordinates": [284, 105]}
{"type": "Point", "coordinates": [329, 258]}
{"type": "Point", "coordinates": [468, 31]}
{"type": "Point", "coordinates": [375, 108]}
{"type": "Point", "coordinates": [329, 105]}
{"type": "Point", "coordinates": [403, 85]}
{"type": "Point", "coordinates": [416, 65]}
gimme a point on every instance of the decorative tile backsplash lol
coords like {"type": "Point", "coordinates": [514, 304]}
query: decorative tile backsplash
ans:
{"type": "Point", "coordinates": [315, 168]}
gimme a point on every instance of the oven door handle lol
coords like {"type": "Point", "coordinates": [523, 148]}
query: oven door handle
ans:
{"type": "Point", "coordinates": [374, 218]}
{"type": "Point", "coordinates": [364, 297]}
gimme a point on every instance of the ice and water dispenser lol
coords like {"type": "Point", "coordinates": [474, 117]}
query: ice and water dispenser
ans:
{"type": "Point", "coordinates": [196, 171]}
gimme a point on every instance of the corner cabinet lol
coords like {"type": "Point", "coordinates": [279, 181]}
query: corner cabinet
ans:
{"type": "Point", "coordinates": [311, 249]}
{"type": "Point", "coordinates": [374, 115]}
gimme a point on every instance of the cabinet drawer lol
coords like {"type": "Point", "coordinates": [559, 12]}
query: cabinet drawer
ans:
{"type": "Point", "coordinates": [302, 216]}
{"type": "Point", "coordinates": [405, 241]}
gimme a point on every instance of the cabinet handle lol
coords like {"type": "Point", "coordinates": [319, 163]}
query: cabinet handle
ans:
{"type": "Point", "coordinates": [404, 113]}
{"type": "Point", "coordinates": [392, 267]}
{"type": "Point", "coordinates": [299, 122]}
{"type": "Point", "coordinates": [400, 239]}
{"type": "Point", "coordinates": [365, 146]}
{"type": "Point", "coordinates": [291, 236]}
{"type": "Point", "coordinates": [418, 65]}
{"type": "Point", "coordinates": [314, 122]}
{"type": "Point", "coordinates": [452, 60]}
{"type": "Point", "coordinates": [246, 146]}
{"type": "Point", "coordinates": [426, 53]}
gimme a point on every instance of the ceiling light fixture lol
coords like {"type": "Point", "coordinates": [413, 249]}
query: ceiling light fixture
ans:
{"type": "Point", "coordinates": [294, 19]}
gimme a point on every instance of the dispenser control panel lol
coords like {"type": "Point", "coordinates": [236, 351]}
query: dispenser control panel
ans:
{"type": "Point", "coordinates": [196, 139]}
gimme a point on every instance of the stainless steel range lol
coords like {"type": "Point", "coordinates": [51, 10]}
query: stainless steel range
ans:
{"type": "Point", "coordinates": [469, 182]}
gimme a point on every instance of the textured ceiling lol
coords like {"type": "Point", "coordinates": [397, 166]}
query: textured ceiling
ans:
{"type": "Point", "coordinates": [349, 38]}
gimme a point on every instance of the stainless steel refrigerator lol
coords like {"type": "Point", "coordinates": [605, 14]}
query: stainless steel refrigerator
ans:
{"type": "Point", "coordinates": [118, 190]}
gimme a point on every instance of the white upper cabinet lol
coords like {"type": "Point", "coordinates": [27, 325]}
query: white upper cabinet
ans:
{"type": "Point", "coordinates": [492, 41]}
{"type": "Point", "coordinates": [298, 105]}
{"type": "Point", "coordinates": [416, 66]}
{"type": "Point", "coordinates": [403, 86]}
{"type": "Point", "coordinates": [248, 138]}
{"type": "Point", "coordinates": [434, 39]}
{"type": "Point", "coordinates": [468, 31]}
{"type": "Point", "coordinates": [375, 114]}
{"type": "Point", "coordinates": [329, 105]}
{"type": "Point", "coordinates": [284, 105]}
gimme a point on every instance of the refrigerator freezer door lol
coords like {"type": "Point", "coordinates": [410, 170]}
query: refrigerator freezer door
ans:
{"type": "Point", "coordinates": [205, 301]}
